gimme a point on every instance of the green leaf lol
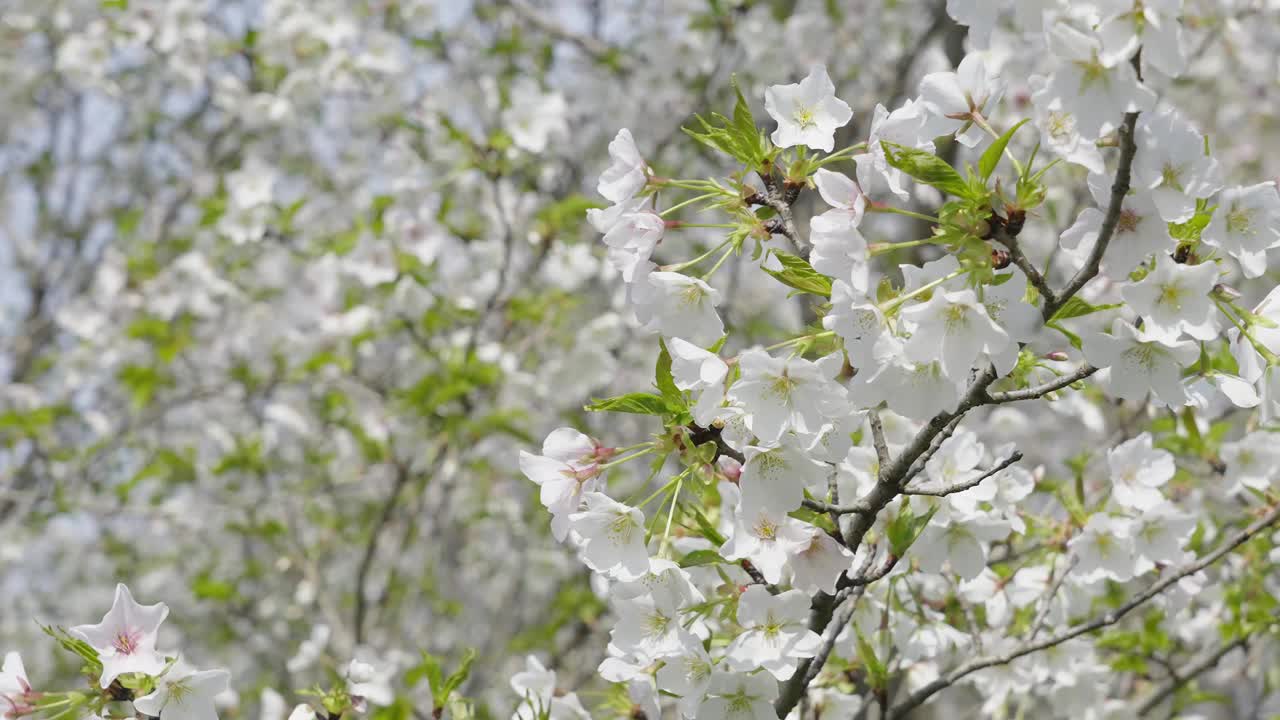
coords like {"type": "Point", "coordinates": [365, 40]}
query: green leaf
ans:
{"type": "Point", "coordinates": [701, 557]}
{"type": "Point", "coordinates": [738, 138]}
{"type": "Point", "coordinates": [663, 379]}
{"type": "Point", "coordinates": [1190, 230]}
{"type": "Point", "coordinates": [876, 670]}
{"type": "Point", "coordinates": [926, 168]}
{"type": "Point", "coordinates": [991, 158]}
{"type": "Point", "coordinates": [458, 677]}
{"type": "Point", "coordinates": [796, 272]}
{"type": "Point", "coordinates": [904, 529]}
{"type": "Point", "coordinates": [429, 670]}
{"type": "Point", "coordinates": [1072, 338]}
{"type": "Point", "coordinates": [639, 403]}
{"type": "Point", "coordinates": [709, 531]}
{"type": "Point", "coordinates": [1075, 307]}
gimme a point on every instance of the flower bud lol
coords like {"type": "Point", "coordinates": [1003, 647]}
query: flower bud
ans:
{"type": "Point", "coordinates": [1226, 292]}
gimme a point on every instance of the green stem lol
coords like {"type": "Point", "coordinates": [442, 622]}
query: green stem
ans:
{"type": "Point", "coordinates": [690, 263]}
{"type": "Point", "coordinates": [666, 533]}
{"type": "Point", "coordinates": [882, 248]}
{"type": "Point", "coordinates": [1267, 355]}
{"type": "Point", "coordinates": [687, 203]}
{"type": "Point", "coordinates": [802, 338]}
{"type": "Point", "coordinates": [625, 458]}
{"type": "Point", "coordinates": [673, 481]}
{"type": "Point", "coordinates": [907, 213]}
{"type": "Point", "coordinates": [894, 303]}
{"type": "Point", "coordinates": [981, 122]}
{"type": "Point", "coordinates": [727, 252]}
{"type": "Point", "coordinates": [840, 154]}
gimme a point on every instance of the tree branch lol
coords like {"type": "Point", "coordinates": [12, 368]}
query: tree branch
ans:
{"type": "Point", "coordinates": [1187, 674]}
{"type": "Point", "coordinates": [877, 437]}
{"type": "Point", "coordinates": [1040, 391]}
{"type": "Point", "coordinates": [918, 697]}
{"type": "Point", "coordinates": [1119, 189]}
{"type": "Point", "coordinates": [599, 51]}
{"type": "Point", "coordinates": [961, 487]}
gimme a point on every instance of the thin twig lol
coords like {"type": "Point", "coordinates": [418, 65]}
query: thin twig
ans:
{"type": "Point", "coordinates": [599, 51]}
{"type": "Point", "coordinates": [1119, 189]}
{"type": "Point", "coordinates": [877, 437]}
{"type": "Point", "coordinates": [1040, 391]}
{"type": "Point", "coordinates": [919, 696]}
{"type": "Point", "coordinates": [967, 484]}
{"type": "Point", "coordinates": [1187, 674]}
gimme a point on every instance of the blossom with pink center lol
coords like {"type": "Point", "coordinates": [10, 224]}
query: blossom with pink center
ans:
{"type": "Point", "coordinates": [126, 638]}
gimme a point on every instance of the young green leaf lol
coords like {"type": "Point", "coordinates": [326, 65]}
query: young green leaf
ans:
{"type": "Point", "coordinates": [926, 168]}
{"type": "Point", "coordinates": [991, 158]}
{"type": "Point", "coordinates": [799, 274]}
{"type": "Point", "coordinates": [639, 403]}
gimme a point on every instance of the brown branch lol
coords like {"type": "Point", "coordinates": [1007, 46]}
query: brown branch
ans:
{"type": "Point", "coordinates": [1119, 189]}
{"type": "Point", "coordinates": [1040, 391]}
{"type": "Point", "coordinates": [1187, 674]}
{"type": "Point", "coordinates": [599, 51]}
{"type": "Point", "coordinates": [967, 484]}
{"type": "Point", "coordinates": [1111, 618]}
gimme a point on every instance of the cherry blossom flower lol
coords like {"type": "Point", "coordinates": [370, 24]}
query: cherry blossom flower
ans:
{"type": "Point", "coordinates": [1253, 461]}
{"type": "Point", "coordinates": [687, 673]}
{"type": "Point", "coordinates": [842, 193]}
{"type": "Point", "coordinates": [738, 696]}
{"type": "Point", "coordinates": [612, 536]}
{"type": "Point", "coordinates": [369, 684]}
{"type": "Point", "coordinates": [566, 469]}
{"type": "Point", "coordinates": [631, 239]}
{"type": "Point", "coordinates": [701, 372]}
{"type": "Point", "coordinates": [776, 634]}
{"type": "Point", "coordinates": [839, 250]}
{"type": "Point", "coordinates": [1267, 334]}
{"type": "Point", "coordinates": [535, 117]}
{"type": "Point", "coordinates": [765, 538]}
{"type": "Point", "coordinates": [915, 390]}
{"type": "Point", "coordinates": [1246, 225]}
{"type": "Point", "coordinates": [16, 696]}
{"type": "Point", "coordinates": [536, 686]}
{"type": "Point", "coordinates": [1137, 470]}
{"type": "Point", "coordinates": [1141, 363]}
{"type": "Point", "coordinates": [953, 329]}
{"type": "Point", "coordinates": [1172, 163]}
{"type": "Point", "coordinates": [1159, 534]}
{"type": "Point", "coordinates": [958, 97]}
{"type": "Point", "coordinates": [818, 565]}
{"type": "Point", "coordinates": [627, 174]}
{"type": "Point", "coordinates": [1000, 597]}
{"type": "Point", "coordinates": [908, 126]}
{"type": "Point", "coordinates": [776, 478]}
{"type": "Point", "coordinates": [184, 694]}
{"type": "Point", "coordinates": [808, 113]}
{"type": "Point", "coordinates": [126, 638]}
{"type": "Point", "coordinates": [1058, 128]}
{"type": "Point", "coordinates": [647, 625]}
{"type": "Point", "coordinates": [677, 305]}
{"type": "Point", "coordinates": [1174, 298]}
{"type": "Point", "coordinates": [1095, 93]}
{"type": "Point", "coordinates": [958, 539]}
{"type": "Point", "coordinates": [781, 394]}
{"type": "Point", "coordinates": [860, 323]}
{"type": "Point", "coordinates": [1140, 231]}
{"type": "Point", "coordinates": [1104, 548]}
{"type": "Point", "coordinates": [1150, 24]}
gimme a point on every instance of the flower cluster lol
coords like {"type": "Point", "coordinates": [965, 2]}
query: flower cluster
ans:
{"type": "Point", "coordinates": [841, 518]}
